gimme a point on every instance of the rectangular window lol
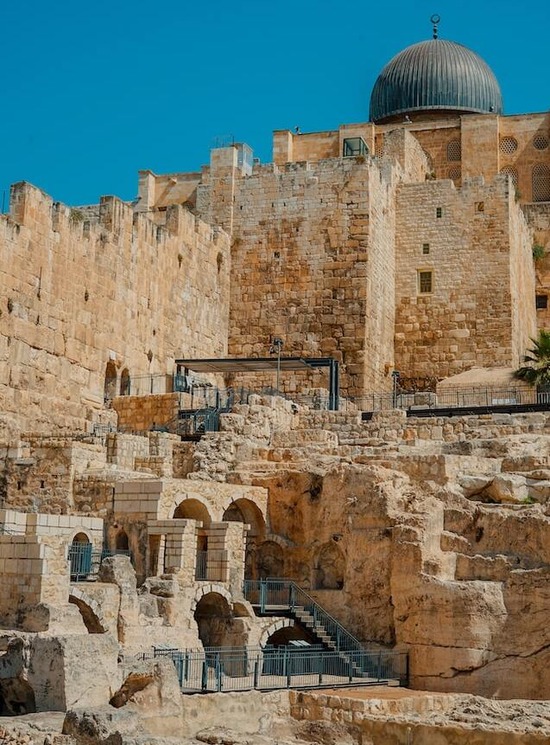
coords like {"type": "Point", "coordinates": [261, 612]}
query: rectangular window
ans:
{"type": "Point", "coordinates": [354, 146]}
{"type": "Point", "coordinates": [425, 248]}
{"type": "Point", "coordinates": [425, 282]}
{"type": "Point", "coordinates": [439, 212]}
{"type": "Point", "coordinates": [541, 302]}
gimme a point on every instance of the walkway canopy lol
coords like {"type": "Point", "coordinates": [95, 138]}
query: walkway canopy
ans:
{"type": "Point", "coordinates": [263, 364]}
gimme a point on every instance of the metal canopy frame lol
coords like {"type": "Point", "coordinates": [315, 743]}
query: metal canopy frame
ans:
{"type": "Point", "coordinates": [261, 364]}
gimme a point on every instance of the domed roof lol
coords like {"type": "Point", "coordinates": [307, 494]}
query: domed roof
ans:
{"type": "Point", "coordinates": [435, 75]}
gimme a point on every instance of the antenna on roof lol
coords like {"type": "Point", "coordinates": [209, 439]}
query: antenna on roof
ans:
{"type": "Point", "coordinates": [435, 20]}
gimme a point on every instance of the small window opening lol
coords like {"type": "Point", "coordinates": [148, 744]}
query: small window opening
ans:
{"type": "Point", "coordinates": [425, 283]}
{"type": "Point", "coordinates": [425, 248]}
{"type": "Point", "coordinates": [19, 485]}
{"type": "Point", "coordinates": [439, 212]}
{"type": "Point", "coordinates": [42, 484]}
{"type": "Point", "coordinates": [354, 146]}
{"type": "Point", "coordinates": [541, 302]}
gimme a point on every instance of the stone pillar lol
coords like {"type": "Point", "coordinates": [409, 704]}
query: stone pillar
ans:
{"type": "Point", "coordinates": [226, 553]}
{"type": "Point", "coordinates": [178, 550]}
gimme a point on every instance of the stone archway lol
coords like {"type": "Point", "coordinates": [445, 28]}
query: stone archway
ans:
{"type": "Point", "coordinates": [213, 616]}
{"type": "Point", "coordinates": [80, 556]}
{"type": "Point", "coordinates": [125, 382]}
{"type": "Point", "coordinates": [109, 384]}
{"type": "Point", "coordinates": [245, 511]}
{"type": "Point", "coordinates": [329, 568]}
{"type": "Point", "coordinates": [90, 612]}
{"type": "Point", "coordinates": [121, 541]}
{"type": "Point", "coordinates": [193, 509]}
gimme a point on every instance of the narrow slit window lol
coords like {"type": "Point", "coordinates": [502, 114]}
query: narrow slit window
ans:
{"type": "Point", "coordinates": [439, 212]}
{"type": "Point", "coordinates": [425, 248]}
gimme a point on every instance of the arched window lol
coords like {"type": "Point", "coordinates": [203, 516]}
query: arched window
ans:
{"type": "Point", "coordinates": [109, 386]}
{"type": "Point", "coordinates": [125, 382]}
{"type": "Point", "coordinates": [541, 183]}
{"type": "Point", "coordinates": [80, 557]}
{"type": "Point", "coordinates": [121, 541]}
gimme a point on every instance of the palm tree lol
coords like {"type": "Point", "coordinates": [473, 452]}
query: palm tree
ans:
{"type": "Point", "coordinates": [537, 370]}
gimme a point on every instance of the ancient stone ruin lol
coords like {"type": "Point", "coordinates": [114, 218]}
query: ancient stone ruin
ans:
{"type": "Point", "coordinates": [266, 476]}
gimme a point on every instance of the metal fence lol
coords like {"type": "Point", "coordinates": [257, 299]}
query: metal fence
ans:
{"type": "Point", "coordinates": [85, 561]}
{"type": "Point", "coordinates": [245, 668]}
{"type": "Point", "coordinates": [284, 594]}
{"type": "Point", "coordinates": [201, 566]}
{"type": "Point", "coordinates": [449, 398]}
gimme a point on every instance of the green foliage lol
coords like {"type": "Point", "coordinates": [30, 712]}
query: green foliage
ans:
{"type": "Point", "coordinates": [537, 370]}
{"type": "Point", "coordinates": [538, 252]}
{"type": "Point", "coordinates": [529, 500]}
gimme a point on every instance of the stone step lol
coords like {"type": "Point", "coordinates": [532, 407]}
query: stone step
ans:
{"type": "Point", "coordinates": [304, 437]}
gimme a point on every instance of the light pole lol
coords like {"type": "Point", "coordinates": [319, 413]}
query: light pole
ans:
{"type": "Point", "coordinates": [276, 347]}
{"type": "Point", "coordinates": [395, 380]}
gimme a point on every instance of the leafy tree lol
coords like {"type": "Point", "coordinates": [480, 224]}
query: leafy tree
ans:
{"type": "Point", "coordinates": [537, 370]}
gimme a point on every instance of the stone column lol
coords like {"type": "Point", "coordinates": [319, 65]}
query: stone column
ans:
{"type": "Point", "coordinates": [226, 553]}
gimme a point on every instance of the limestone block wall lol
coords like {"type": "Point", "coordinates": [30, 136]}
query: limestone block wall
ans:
{"type": "Point", "coordinates": [480, 310]}
{"type": "Point", "coordinates": [123, 449]}
{"type": "Point", "coordinates": [311, 263]}
{"type": "Point", "coordinates": [523, 143]}
{"type": "Point", "coordinates": [538, 218]}
{"type": "Point", "coordinates": [435, 139]}
{"type": "Point", "coordinates": [34, 570]}
{"type": "Point", "coordinates": [397, 427]}
{"type": "Point", "coordinates": [140, 413]}
{"type": "Point", "coordinates": [66, 527]}
{"type": "Point", "coordinates": [42, 480]}
{"type": "Point", "coordinates": [79, 294]}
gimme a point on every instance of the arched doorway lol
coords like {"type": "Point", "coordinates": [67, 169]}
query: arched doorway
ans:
{"type": "Point", "coordinates": [109, 385]}
{"type": "Point", "coordinates": [125, 382]}
{"type": "Point", "coordinates": [80, 557]}
{"type": "Point", "coordinates": [213, 617]}
{"type": "Point", "coordinates": [245, 511]}
{"type": "Point", "coordinates": [193, 509]}
{"type": "Point", "coordinates": [329, 568]}
{"type": "Point", "coordinates": [121, 541]}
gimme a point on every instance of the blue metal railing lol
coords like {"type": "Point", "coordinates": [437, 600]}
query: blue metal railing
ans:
{"type": "Point", "coordinates": [277, 593]}
{"type": "Point", "coordinates": [85, 561]}
{"type": "Point", "coordinates": [245, 668]}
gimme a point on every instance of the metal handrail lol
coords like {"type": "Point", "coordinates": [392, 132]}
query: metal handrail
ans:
{"type": "Point", "coordinates": [290, 595]}
{"type": "Point", "coordinates": [270, 668]}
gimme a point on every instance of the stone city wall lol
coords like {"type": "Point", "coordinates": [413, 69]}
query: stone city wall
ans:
{"type": "Point", "coordinates": [312, 261]}
{"type": "Point", "coordinates": [395, 426]}
{"type": "Point", "coordinates": [479, 310]}
{"type": "Point", "coordinates": [80, 294]}
{"type": "Point", "coordinates": [538, 218]}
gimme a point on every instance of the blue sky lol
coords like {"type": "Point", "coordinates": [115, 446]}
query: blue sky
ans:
{"type": "Point", "coordinates": [93, 92]}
